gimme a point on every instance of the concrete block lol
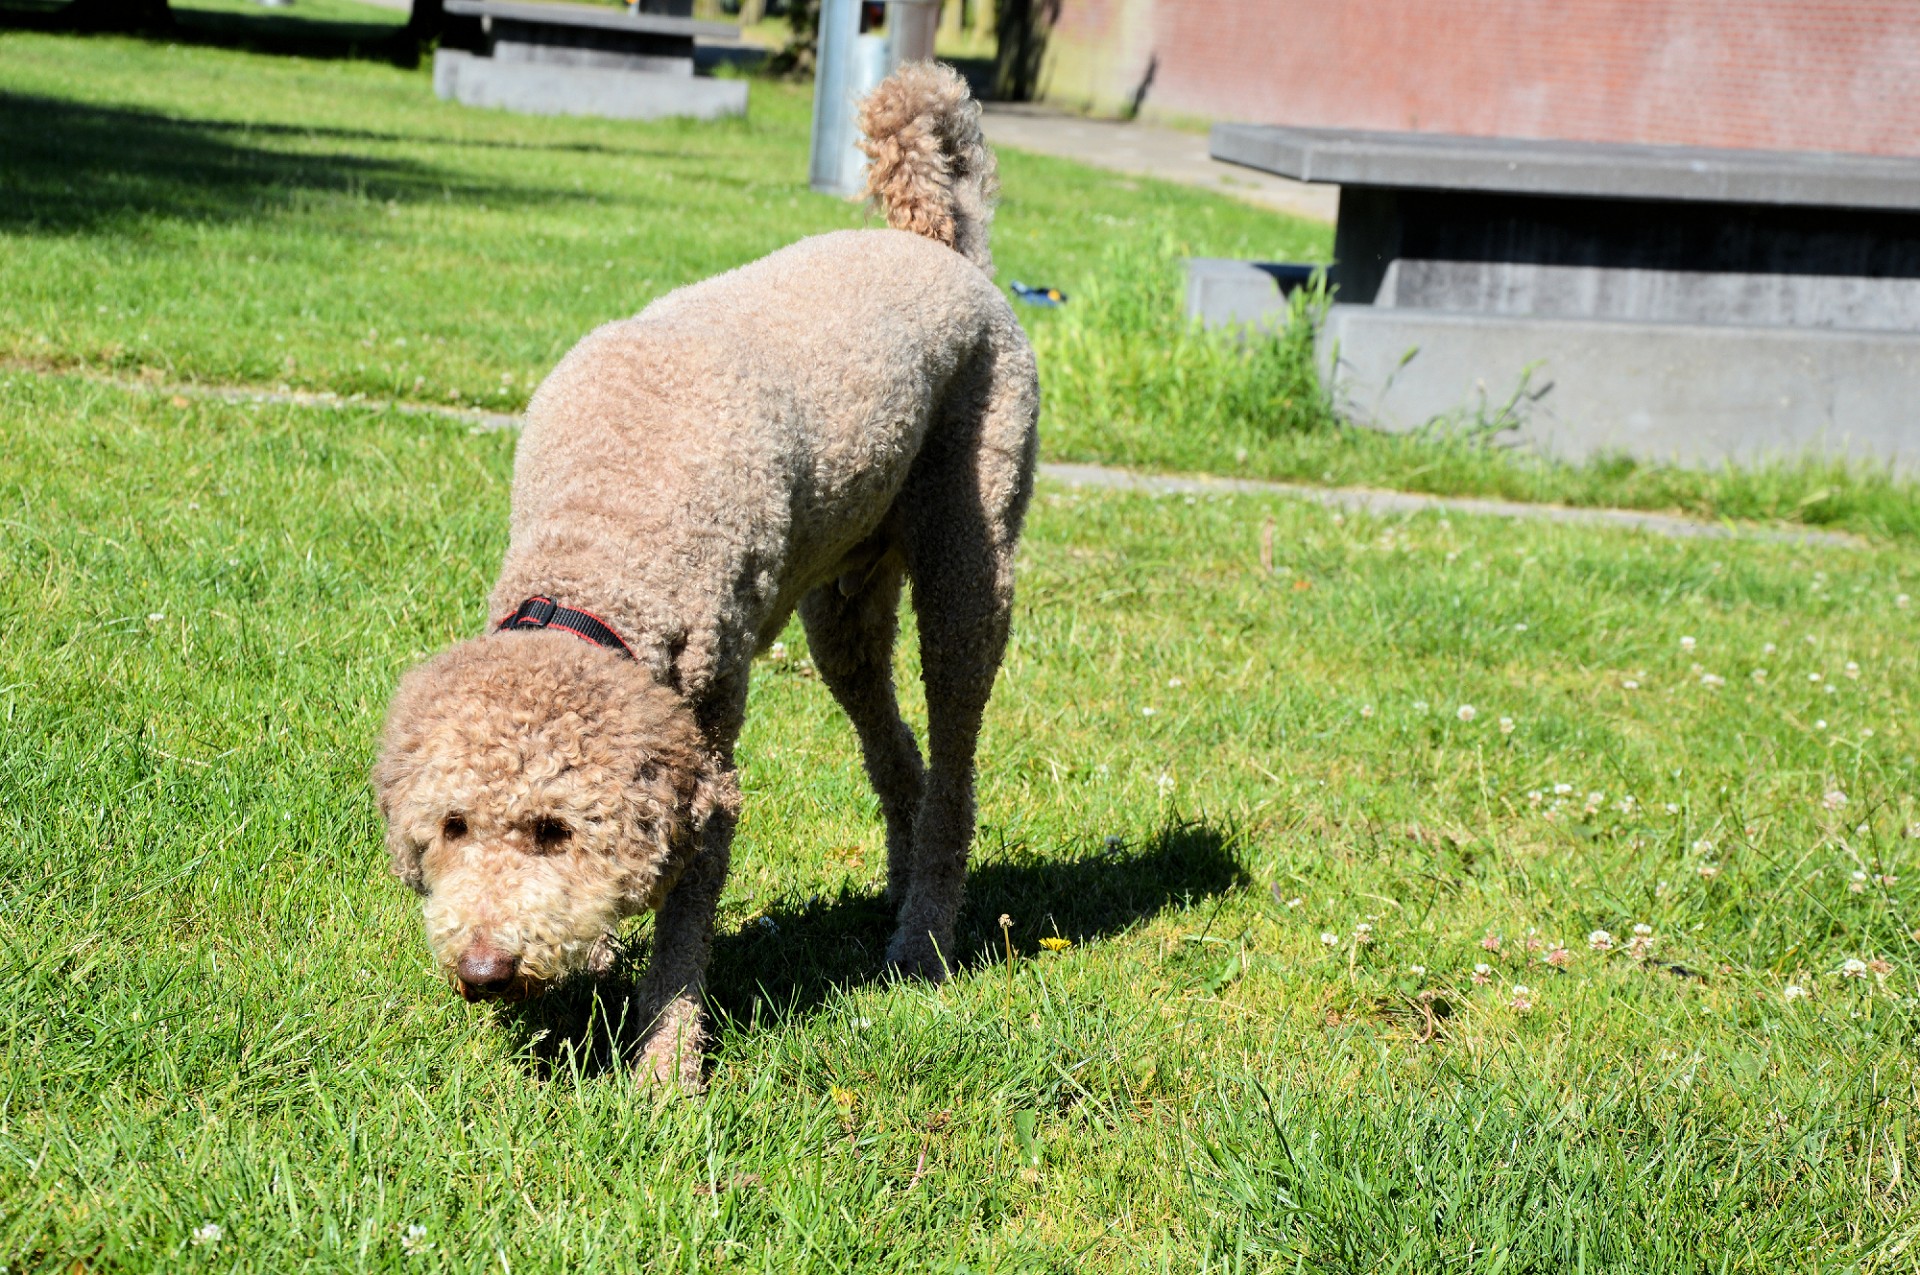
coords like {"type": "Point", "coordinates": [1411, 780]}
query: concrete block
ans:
{"type": "Point", "coordinates": [1222, 292]}
{"type": "Point", "coordinates": [1683, 393]}
{"type": "Point", "coordinates": [537, 88]}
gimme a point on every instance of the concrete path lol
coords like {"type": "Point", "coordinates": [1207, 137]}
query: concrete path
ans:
{"type": "Point", "coordinates": [1363, 500]}
{"type": "Point", "coordinates": [1150, 150]}
{"type": "Point", "coordinates": [1373, 500]}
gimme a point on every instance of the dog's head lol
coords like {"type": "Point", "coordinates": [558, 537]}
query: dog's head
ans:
{"type": "Point", "coordinates": [538, 790]}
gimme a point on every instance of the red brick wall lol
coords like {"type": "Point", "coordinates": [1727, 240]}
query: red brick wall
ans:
{"type": "Point", "coordinates": [1786, 74]}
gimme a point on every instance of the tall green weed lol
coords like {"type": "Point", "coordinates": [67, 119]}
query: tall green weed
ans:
{"type": "Point", "coordinates": [1120, 363]}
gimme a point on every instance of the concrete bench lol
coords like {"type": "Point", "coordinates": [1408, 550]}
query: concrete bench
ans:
{"type": "Point", "coordinates": [577, 59]}
{"type": "Point", "coordinates": [1669, 302]}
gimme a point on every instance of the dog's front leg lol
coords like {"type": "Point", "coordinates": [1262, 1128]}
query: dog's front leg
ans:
{"type": "Point", "coordinates": [673, 1045]}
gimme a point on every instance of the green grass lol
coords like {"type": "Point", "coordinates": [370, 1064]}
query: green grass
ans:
{"type": "Point", "coordinates": [218, 1009]}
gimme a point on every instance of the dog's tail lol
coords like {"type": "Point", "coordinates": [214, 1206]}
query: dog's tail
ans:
{"type": "Point", "coordinates": [931, 172]}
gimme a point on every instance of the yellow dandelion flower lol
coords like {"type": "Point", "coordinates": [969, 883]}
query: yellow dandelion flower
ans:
{"type": "Point", "coordinates": [1054, 944]}
{"type": "Point", "coordinates": [844, 1097]}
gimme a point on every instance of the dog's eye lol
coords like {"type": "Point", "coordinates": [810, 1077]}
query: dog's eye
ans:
{"type": "Point", "coordinates": [550, 834]}
{"type": "Point", "coordinates": [454, 828]}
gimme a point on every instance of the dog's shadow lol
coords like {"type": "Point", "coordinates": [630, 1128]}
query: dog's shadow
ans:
{"type": "Point", "coordinates": [788, 962]}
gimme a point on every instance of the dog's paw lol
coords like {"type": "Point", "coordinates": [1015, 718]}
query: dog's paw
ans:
{"type": "Point", "coordinates": [673, 1066]}
{"type": "Point", "coordinates": [674, 1052]}
{"type": "Point", "coordinates": [916, 955]}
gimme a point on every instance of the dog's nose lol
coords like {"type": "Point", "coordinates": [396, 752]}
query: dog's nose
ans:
{"type": "Point", "coordinates": [486, 971]}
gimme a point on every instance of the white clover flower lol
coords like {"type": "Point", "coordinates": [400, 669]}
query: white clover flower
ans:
{"type": "Point", "coordinates": [1712, 681]}
{"type": "Point", "coordinates": [1708, 871]}
{"type": "Point", "coordinates": [1600, 941]}
{"type": "Point", "coordinates": [1854, 968]}
{"type": "Point", "coordinates": [777, 652]}
{"type": "Point", "coordinates": [1686, 644]}
{"type": "Point", "coordinates": [1902, 601]}
{"type": "Point", "coordinates": [1418, 971]}
{"type": "Point", "coordinates": [1859, 883]}
{"type": "Point", "coordinates": [1795, 992]}
{"type": "Point", "coordinates": [1834, 799]}
{"type": "Point", "coordinates": [1506, 726]}
{"type": "Point", "coordinates": [1815, 677]}
{"type": "Point", "coordinates": [1465, 713]}
{"type": "Point", "coordinates": [1421, 706]}
{"type": "Point", "coordinates": [1329, 938]}
{"type": "Point", "coordinates": [1768, 649]}
{"type": "Point", "coordinates": [1146, 710]}
{"type": "Point", "coordinates": [1643, 930]}
{"type": "Point", "coordinates": [1821, 724]}
{"type": "Point", "coordinates": [1852, 670]}
{"type": "Point", "coordinates": [1164, 783]}
{"type": "Point", "coordinates": [1629, 685]}
{"type": "Point", "coordinates": [1521, 1002]}
{"type": "Point", "coordinates": [1366, 710]}
{"type": "Point", "coordinates": [414, 1242]}
{"type": "Point", "coordinates": [1294, 902]}
{"type": "Point", "coordinates": [1482, 974]}
{"type": "Point", "coordinates": [1758, 675]}
{"type": "Point", "coordinates": [1175, 683]}
{"type": "Point", "coordinates": [208, 1235]}
{"type": "Point", "coordinates": [1561, 790]}
{"type": "Point", "coordinates": [1703, 846]}
{"type": "Point", "coordinates": [1363, 934]}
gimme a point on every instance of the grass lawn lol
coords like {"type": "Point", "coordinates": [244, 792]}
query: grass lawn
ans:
{"type": "Point", "coordinates": [1282, 816]}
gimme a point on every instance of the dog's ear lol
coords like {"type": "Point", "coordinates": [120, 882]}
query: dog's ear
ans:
{"type": "Point", "coordinates": [394, 775]}
{"type": "Point", "coordinates": [390, 775]}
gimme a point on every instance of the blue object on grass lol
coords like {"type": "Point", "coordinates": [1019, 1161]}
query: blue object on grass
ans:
{"type": "Point", "coordinates": [1049, 298]}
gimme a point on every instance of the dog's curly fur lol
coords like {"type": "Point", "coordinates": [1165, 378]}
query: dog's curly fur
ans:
{"type": "Point", "coordinates": [806, 432]}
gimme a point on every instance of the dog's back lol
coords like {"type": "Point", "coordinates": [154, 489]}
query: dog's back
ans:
{"type": "Point", "coordinates": [763, 422]}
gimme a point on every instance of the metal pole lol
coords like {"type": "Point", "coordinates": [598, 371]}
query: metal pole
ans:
{"type": "Point", "coordinates": [834, 128]}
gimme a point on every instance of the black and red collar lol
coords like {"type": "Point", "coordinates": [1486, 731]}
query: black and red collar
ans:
{"type": "Point", "coordinates": [545, 613]}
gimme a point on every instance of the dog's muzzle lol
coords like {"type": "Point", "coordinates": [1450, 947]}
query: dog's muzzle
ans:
{"type": "Point", "coordinates": [485, 973]}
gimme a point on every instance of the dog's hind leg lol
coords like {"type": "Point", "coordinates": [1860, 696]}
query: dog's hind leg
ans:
{"type": "Point", "coordinates": [851, 636]}
{"type": "Point", "coordinates": [962, 510]}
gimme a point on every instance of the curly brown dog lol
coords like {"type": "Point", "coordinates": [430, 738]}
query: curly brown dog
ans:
{"type": "Point", "coordinates": [804, 432]}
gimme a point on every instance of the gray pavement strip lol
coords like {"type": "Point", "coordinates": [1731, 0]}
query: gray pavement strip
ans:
{"type": "Point", "coordinates": [1373, 500]}
{"type": "Point", "coordinates": [1366, 500]}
